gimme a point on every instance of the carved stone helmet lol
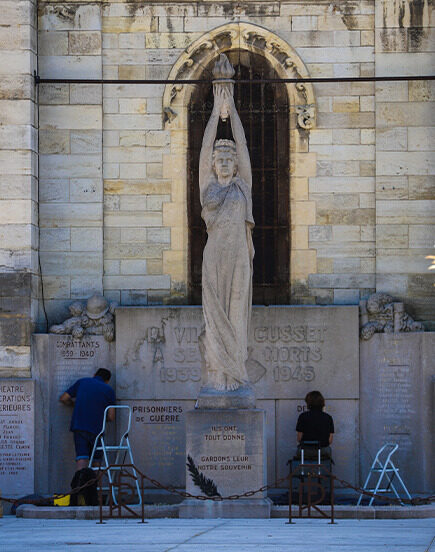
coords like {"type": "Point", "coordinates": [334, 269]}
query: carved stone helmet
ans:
{"type": "Point", "coordinates": [96, 306]}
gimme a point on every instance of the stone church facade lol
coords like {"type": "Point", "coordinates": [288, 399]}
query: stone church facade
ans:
{"type": "Point", "coordinates": [94, 179]}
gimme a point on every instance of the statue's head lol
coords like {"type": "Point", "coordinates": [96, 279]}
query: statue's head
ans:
{"type": "Point", "coordinates": [224, 159]}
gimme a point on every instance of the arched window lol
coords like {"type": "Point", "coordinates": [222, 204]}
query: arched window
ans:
{"type": "Point", "coordinates": [264, 112]}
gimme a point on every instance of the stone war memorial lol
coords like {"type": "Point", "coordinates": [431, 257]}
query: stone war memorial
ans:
{"type": "Point", "coordinates": [228, 205]}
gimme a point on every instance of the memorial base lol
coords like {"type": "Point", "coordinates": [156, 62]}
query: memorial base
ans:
{"type": "Point", "coordinates": [210, 509]}
{"type": "Point", "coordinates": [226, 455]}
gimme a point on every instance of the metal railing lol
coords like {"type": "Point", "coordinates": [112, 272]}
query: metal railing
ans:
{"type": "Point", "coordinates": [310, 472]}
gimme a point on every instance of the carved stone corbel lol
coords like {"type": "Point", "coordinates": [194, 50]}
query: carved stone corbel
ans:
{"type": "Point", "coordinates": [253, 38]}
{"type": "Point", "coordinates": [302, 89]}
{"type": "Point", "coordinates": [168, 115]}
{"type": "Point", "coordinates": [306, 114]}
{"type": "Point", "coordinates": [175, 89]}
{"type": "Point", "coordinates": [224, 40]}
{"type": "Point", "coordinates": [185, 68]}
{"type": "Point", "coordinates": [193, 49]}
{"type": "Point", "coordinates": [273, 47]}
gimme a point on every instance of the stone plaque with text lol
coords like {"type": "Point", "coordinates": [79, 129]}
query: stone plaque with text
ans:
{"type": "Point", "coordinates": [62, 361]}
{"type": "Point", "coordinates": [17, 429]}
{"type": "Point", "coordinates": [227, 447]}
{"type": "Point", "coordinates": [292, 350]}
{"type": "Point", "coordinates": [396, 404]}
{"type": "Point", "coordinates": [158, 438]}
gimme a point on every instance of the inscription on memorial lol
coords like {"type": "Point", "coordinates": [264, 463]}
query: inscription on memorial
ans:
{"type": "Point", "coordinates": [70, 359]}
{"type": "Point", "coordinates": [291, 351]}
{"type": "Point", "coordinates": [227, 448]}
{"type": "Point", "coordinates": [290, 363]}
{"type": "Point", "coordinates": [396, 404]}
{"type": "Point", "coordinates": [229, 462]}
{"type": "Point", "coordinates": [161, 347]}
{"type": "Point", "coordinates": [74, 359]}
{"type": "Point", "coordinates": [16, 437]}
{"type": "Point", "coordinates": [158, 438]}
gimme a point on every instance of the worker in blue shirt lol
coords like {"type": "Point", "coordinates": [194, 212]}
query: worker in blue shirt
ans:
{"type": "Point", "coordinates": [90, 397]}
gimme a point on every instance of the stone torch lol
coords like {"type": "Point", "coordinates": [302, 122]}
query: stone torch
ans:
{"type": "Point", "coordinates": [223, 72]}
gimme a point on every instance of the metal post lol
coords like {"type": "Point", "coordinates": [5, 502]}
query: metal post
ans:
{"type": "Point", "coordinates": [332, 497]}
{"type": "Point", "coordinates": [120, 497]}
{"type": "Point", "coordinates": [100, 497]}
{"type": "Point", "coordinates": [309, 494]}
{"type": "Point", "coordinates": [290, 497]}
{"type": "Point", "coordinates": [300, 492]}
{"type": "Point", "coordinates": [111, 498]}
{"type": "Point", "coordinates": [142, 499]}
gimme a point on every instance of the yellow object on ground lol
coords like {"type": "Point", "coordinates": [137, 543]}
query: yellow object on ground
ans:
{"type": "Point", "coordinates": [62, 501]}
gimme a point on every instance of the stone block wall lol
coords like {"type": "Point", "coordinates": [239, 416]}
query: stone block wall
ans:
{"type": "Point", "coordinates": [139, 42]}
{"type": "Point", "coordinates": [113, 211]}
{"type": "Point", "coordinates": [70, 154]}
{"type": "Point", "coordinates": [405, 116]}
{"type": "Point", "coordinates": [18, 186]}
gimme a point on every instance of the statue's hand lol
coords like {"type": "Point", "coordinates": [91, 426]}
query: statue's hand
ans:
{"type": "Point", "coordinates": [219, 98]}
{"type": "Point", "coordinates": [229, 100]}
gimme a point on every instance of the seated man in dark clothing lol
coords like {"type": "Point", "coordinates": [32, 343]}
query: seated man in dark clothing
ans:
{"type": "Point", "coordinates": [92, 396]}
{"type": "Point", "coordinates": [315, 425]}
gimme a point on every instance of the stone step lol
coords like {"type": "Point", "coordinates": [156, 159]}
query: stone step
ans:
{"type": "Point", "coordinates": [171, 511]}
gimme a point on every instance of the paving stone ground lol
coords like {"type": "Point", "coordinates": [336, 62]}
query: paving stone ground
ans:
{"type": "Point", "coordinates": [167, 535]}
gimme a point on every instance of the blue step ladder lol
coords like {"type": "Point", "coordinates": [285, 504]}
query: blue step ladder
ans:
{"type": "Point", "coordinates": [123, 456]}
{"type": "Point", "coordinates": [384, 467]}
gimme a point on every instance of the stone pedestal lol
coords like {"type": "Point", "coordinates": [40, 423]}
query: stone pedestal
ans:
{"type": "Point", "coordinates": [228, 448]}
{"type": "Point", "coordinates": [210, 398]}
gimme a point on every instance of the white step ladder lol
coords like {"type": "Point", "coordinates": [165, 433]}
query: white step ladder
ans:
{"type": "Point", "coordinates": [123, 452]}
{"type": "Point", "coordinates": [384, 469]}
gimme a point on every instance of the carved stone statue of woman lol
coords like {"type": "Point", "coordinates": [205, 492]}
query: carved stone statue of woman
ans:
{"type": "Point", "coordinates": [225, 182]}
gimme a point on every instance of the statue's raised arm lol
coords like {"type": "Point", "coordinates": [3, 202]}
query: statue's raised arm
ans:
{"type": "Point", "coordinates": [206, 155]}
{"type": "Point", "coordinates": [244, 161]}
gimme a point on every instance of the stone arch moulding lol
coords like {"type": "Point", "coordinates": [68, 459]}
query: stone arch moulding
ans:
{"type": "Point", "coordinates": [245, 36]}
{"type": "Point", "coordinates": [191, 64]}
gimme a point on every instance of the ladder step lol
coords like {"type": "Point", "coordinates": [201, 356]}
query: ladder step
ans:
{"type": "Point", "coordinates": [378, 490]}
{"type": "Point", "coordinates": [112, 447]}
{"type": "Point", "coordinates": [113, 468]}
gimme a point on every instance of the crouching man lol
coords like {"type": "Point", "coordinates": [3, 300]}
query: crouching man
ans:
{"type": "Point", "coordinates": [90, 397]}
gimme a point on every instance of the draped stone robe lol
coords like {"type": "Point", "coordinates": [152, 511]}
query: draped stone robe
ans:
{"type": "Point", "coordinates": [227, 276]}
